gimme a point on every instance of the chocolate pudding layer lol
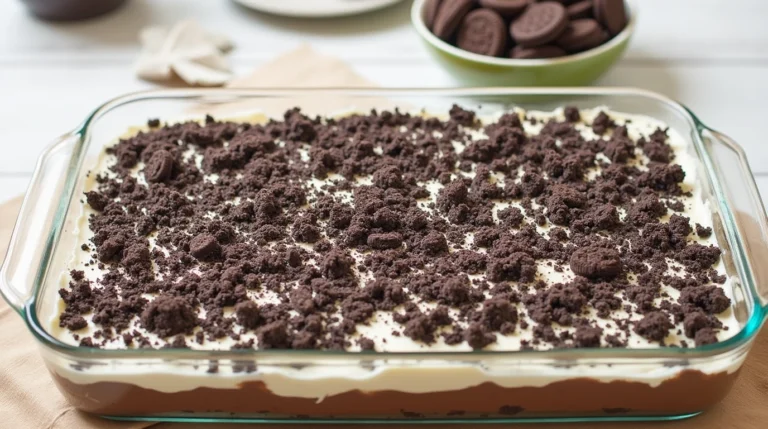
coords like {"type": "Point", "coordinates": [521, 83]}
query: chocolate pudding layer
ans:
{"type": "Point", "coordinates": [689, 392]}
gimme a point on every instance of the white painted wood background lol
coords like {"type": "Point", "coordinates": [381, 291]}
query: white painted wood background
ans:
{"type": "Point", "coordinates": [710, 54]}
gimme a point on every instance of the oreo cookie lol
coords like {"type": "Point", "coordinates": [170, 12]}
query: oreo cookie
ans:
{"type": "Point", "coordinates": [582, 9]}
{"type": "Point", "coordinates": [582, 34]}
{"type": "Point", "coordinates": [595, 262]}
{"type": "Point", "coordinates": [612, 14]}
{"type": "Point", "coordinates": [449, 16]}
{"type": "Point", "coordinates": [160, 167]}
{"type": "Point", "coordinates": [506, 8]}
{"type": "Point", "coordinates": [483, 32]}
{"type": "Point", "coordinates": [540, 29]}
{"type": "Point", "coordinates": [540, 24]}
{"type": "Point", "coordinates": [546, 51]}
{"type": "Point", "coordinates": [430, 12]}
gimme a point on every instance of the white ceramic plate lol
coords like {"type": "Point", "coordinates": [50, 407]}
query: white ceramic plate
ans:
{"type": "Point", "coordinates": [315, 8]}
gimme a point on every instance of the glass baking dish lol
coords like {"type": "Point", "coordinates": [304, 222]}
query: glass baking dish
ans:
{"type": "Point", "coordinates": [323, 386]}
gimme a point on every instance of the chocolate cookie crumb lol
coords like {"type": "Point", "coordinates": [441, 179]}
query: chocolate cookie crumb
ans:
{"type": "Point", "coordinates": [337, 264]}
{"type": "Point", "coordinates": [601, 123]}
{"type": "Point", "coordinates": [167, 316]}
{"type": "Point", "coordinates": [96, 200]}
{"type": "Point", "coordinates": [572, 114]}
{"type": "Point", "coordinates": [248, 315]}
{"type": "Point", "coordinates": [655, 326]}
{"type": "Point", "coordinates": [587, 336]}
{"type": "Point", "coordinates": [703, 232]}
{"type": "Point", "coordinates": [705, 336]}
{"type": "Point", "coordinates": [273, 335]}
{"type": "Point", "coordinates": [477, 337]}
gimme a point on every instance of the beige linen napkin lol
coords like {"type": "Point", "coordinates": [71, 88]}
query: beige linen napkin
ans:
{"type": "Point", "coordinates": [185, 50]}
{"type": "Point", "coordinates": [29, 399]}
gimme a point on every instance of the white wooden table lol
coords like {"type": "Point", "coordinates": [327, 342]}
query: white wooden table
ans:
{"type": "Point", "coordinates": [710, 54]}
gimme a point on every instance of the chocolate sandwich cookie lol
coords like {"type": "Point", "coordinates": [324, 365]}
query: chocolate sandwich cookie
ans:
{"type": "Point", "coordinates": [596, 262]}
{"type": "Point", "coordinates": [582, 34]}
{"type": "Point", "coordinates": [430, 12]}
{"type": "Point", "coordinates": [546, 51]}
{"type": "Point", "coordinates": [483, 32]}
{"type": "Point", "coordinates": [506, 8]}
{"type": "Point", "coordinates": [582, 9]}
{"type": "Point", "coordinates": [449, 16]}
{"type": "Point", "coordinates": [612, 14]}
{"type": "Point", "coordinates": [159, 167]}
{"type": "Point", "coordinates": [540, 24]}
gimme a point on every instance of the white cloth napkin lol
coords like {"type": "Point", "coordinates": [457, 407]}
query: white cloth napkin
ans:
{"type": "Point", "coordinates": [185, 50]}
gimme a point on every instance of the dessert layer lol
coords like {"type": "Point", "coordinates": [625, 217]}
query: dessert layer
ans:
{"type": "Point", "coordinates": [578, 396]}
{"type": "Point", "coordinates": [397, 232]}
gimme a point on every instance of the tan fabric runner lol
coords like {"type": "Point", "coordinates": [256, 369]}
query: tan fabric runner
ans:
{"type": "Point", "coordinates": [29, 399]}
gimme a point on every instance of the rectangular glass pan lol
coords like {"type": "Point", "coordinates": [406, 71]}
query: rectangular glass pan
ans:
{"type": "Point", "coordinates": [262, 386]}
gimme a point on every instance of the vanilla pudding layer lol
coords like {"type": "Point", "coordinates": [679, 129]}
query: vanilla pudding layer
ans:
{"type": "Point", "coordinates": [436, 374]}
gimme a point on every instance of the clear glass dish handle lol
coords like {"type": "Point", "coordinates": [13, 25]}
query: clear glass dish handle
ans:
{"type": "Point", "coordinates": [22, 269]}
{"type": "Point", "coordinates": [742, 196]}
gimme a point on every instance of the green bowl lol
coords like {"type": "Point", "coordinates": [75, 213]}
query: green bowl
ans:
{"type": "Point", "coordinates": [481, 70]}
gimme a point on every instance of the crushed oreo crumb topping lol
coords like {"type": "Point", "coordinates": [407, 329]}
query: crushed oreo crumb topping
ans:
{"type": "Point", "coordinates": [300, 232]}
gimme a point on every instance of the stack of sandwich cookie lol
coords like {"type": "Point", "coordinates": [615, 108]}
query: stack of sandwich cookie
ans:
{"type": "Point", "coordinates": [525, 29]}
